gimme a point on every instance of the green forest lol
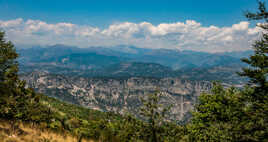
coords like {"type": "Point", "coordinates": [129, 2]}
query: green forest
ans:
{"type": "Point", "coordinates": [224, 114]}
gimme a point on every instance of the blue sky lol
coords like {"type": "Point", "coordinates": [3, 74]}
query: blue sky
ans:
{"type": "Point", "coordinates": [200, 25]}
{"type": "Point", "coordinates": [105, 12]}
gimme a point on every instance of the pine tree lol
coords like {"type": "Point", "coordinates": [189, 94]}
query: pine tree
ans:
{"type": "Point", "coordinates": [8, 63]}
{"type": "Point", "coordinates": [258, 75]}
{"type": "Point", "coordinates": [8, 76]}
{"type": "Point", "coordinates": [258, 72]}
{"type": "Point", "coordinates": [16, 101]}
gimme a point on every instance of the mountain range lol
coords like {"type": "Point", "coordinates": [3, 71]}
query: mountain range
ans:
{"type": "Point", "coordinates": [131, 61]}
{"type": "Point", "coordinates": [114, 78]}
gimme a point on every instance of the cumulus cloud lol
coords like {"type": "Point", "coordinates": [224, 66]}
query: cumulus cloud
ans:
{"type": "Point", "coordinates": [188, 35]}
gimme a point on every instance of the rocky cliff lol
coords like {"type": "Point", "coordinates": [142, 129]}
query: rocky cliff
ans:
{"type": "Point", "coordinates": [118, 94]}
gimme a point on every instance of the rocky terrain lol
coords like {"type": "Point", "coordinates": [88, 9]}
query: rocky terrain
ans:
{"type": "Point", "coordinates": [118, 94]}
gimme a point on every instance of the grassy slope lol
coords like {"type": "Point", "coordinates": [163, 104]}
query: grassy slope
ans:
{"type": "Point", "coordinates": [30, 133]}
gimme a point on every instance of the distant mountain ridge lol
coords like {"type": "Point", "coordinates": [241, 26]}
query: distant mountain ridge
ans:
{"type": "Point", "coordinates": [131, 61]}
{"type": "Point", "coordinates": [172, 58]}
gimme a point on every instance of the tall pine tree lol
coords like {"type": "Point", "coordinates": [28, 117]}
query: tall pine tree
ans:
{"type": "Point", "coordinates": [8, 64]}
{"type": "Point", "coordinates": [258, 72]}
{"type": "Point", "coordinates": [258, 75]}
{"type": "Point", "coordinates": [8, 77]}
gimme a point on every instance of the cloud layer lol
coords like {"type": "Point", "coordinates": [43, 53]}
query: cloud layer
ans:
{"type": "Point", "coordinates": [189, 35]}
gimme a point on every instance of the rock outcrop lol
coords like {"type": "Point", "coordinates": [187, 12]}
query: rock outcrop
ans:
{"type": "Point", "coordinates": [118, 95]}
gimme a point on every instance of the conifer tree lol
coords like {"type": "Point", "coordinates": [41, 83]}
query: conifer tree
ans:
{"type": "Point", "coordinates": [16, 101]}
{"type": "Point", "coordinates": [257, 101]}
{"type": "Point", "coordinates": [8, 76]}
{"type": "Point", "coordinates": [258, 72]}
{"type": "Point", "coordinates": [8, 63]}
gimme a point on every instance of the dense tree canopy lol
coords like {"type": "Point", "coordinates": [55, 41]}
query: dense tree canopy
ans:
{"type": "Point", "coordinates": [220, 116]}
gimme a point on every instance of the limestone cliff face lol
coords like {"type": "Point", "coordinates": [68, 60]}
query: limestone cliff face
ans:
{"type": "Point", "coordinates": [118, 95]}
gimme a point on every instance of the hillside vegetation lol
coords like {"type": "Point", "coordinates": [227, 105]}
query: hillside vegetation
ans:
{"type": "Point", "coordinates": [32, 133]}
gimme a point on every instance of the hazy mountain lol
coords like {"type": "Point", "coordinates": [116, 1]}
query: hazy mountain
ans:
{"type": "Point", "coordinates": [130, 61]}
{"type": "Point", "coordinates": [91, 56]}
{"type": "Point", "coordinates": [238, 54]}
{"type": "Point", "coordinates": [138, 69]}
{"type": "Point", "coordinates": [66, 56]}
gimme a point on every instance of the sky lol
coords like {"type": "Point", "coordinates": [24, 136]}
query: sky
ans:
{"type": "Point", "coordinates": [200, 25]}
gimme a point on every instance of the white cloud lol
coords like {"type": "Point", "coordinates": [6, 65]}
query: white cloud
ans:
{"type": "Point", "coordinates": [189, 35]}
{"type": "Point", "coordinates": [11, 23]}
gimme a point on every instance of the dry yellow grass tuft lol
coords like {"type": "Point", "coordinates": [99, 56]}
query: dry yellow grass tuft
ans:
{"type": "Point", "coordinates": [29, 133]}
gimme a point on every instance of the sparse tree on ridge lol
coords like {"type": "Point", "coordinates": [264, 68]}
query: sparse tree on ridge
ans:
{"type": "Point", "coordinates": [154, 113]}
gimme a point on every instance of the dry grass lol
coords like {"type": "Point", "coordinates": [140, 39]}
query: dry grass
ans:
{"type": "Point", "coordinates": [28, 133]}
